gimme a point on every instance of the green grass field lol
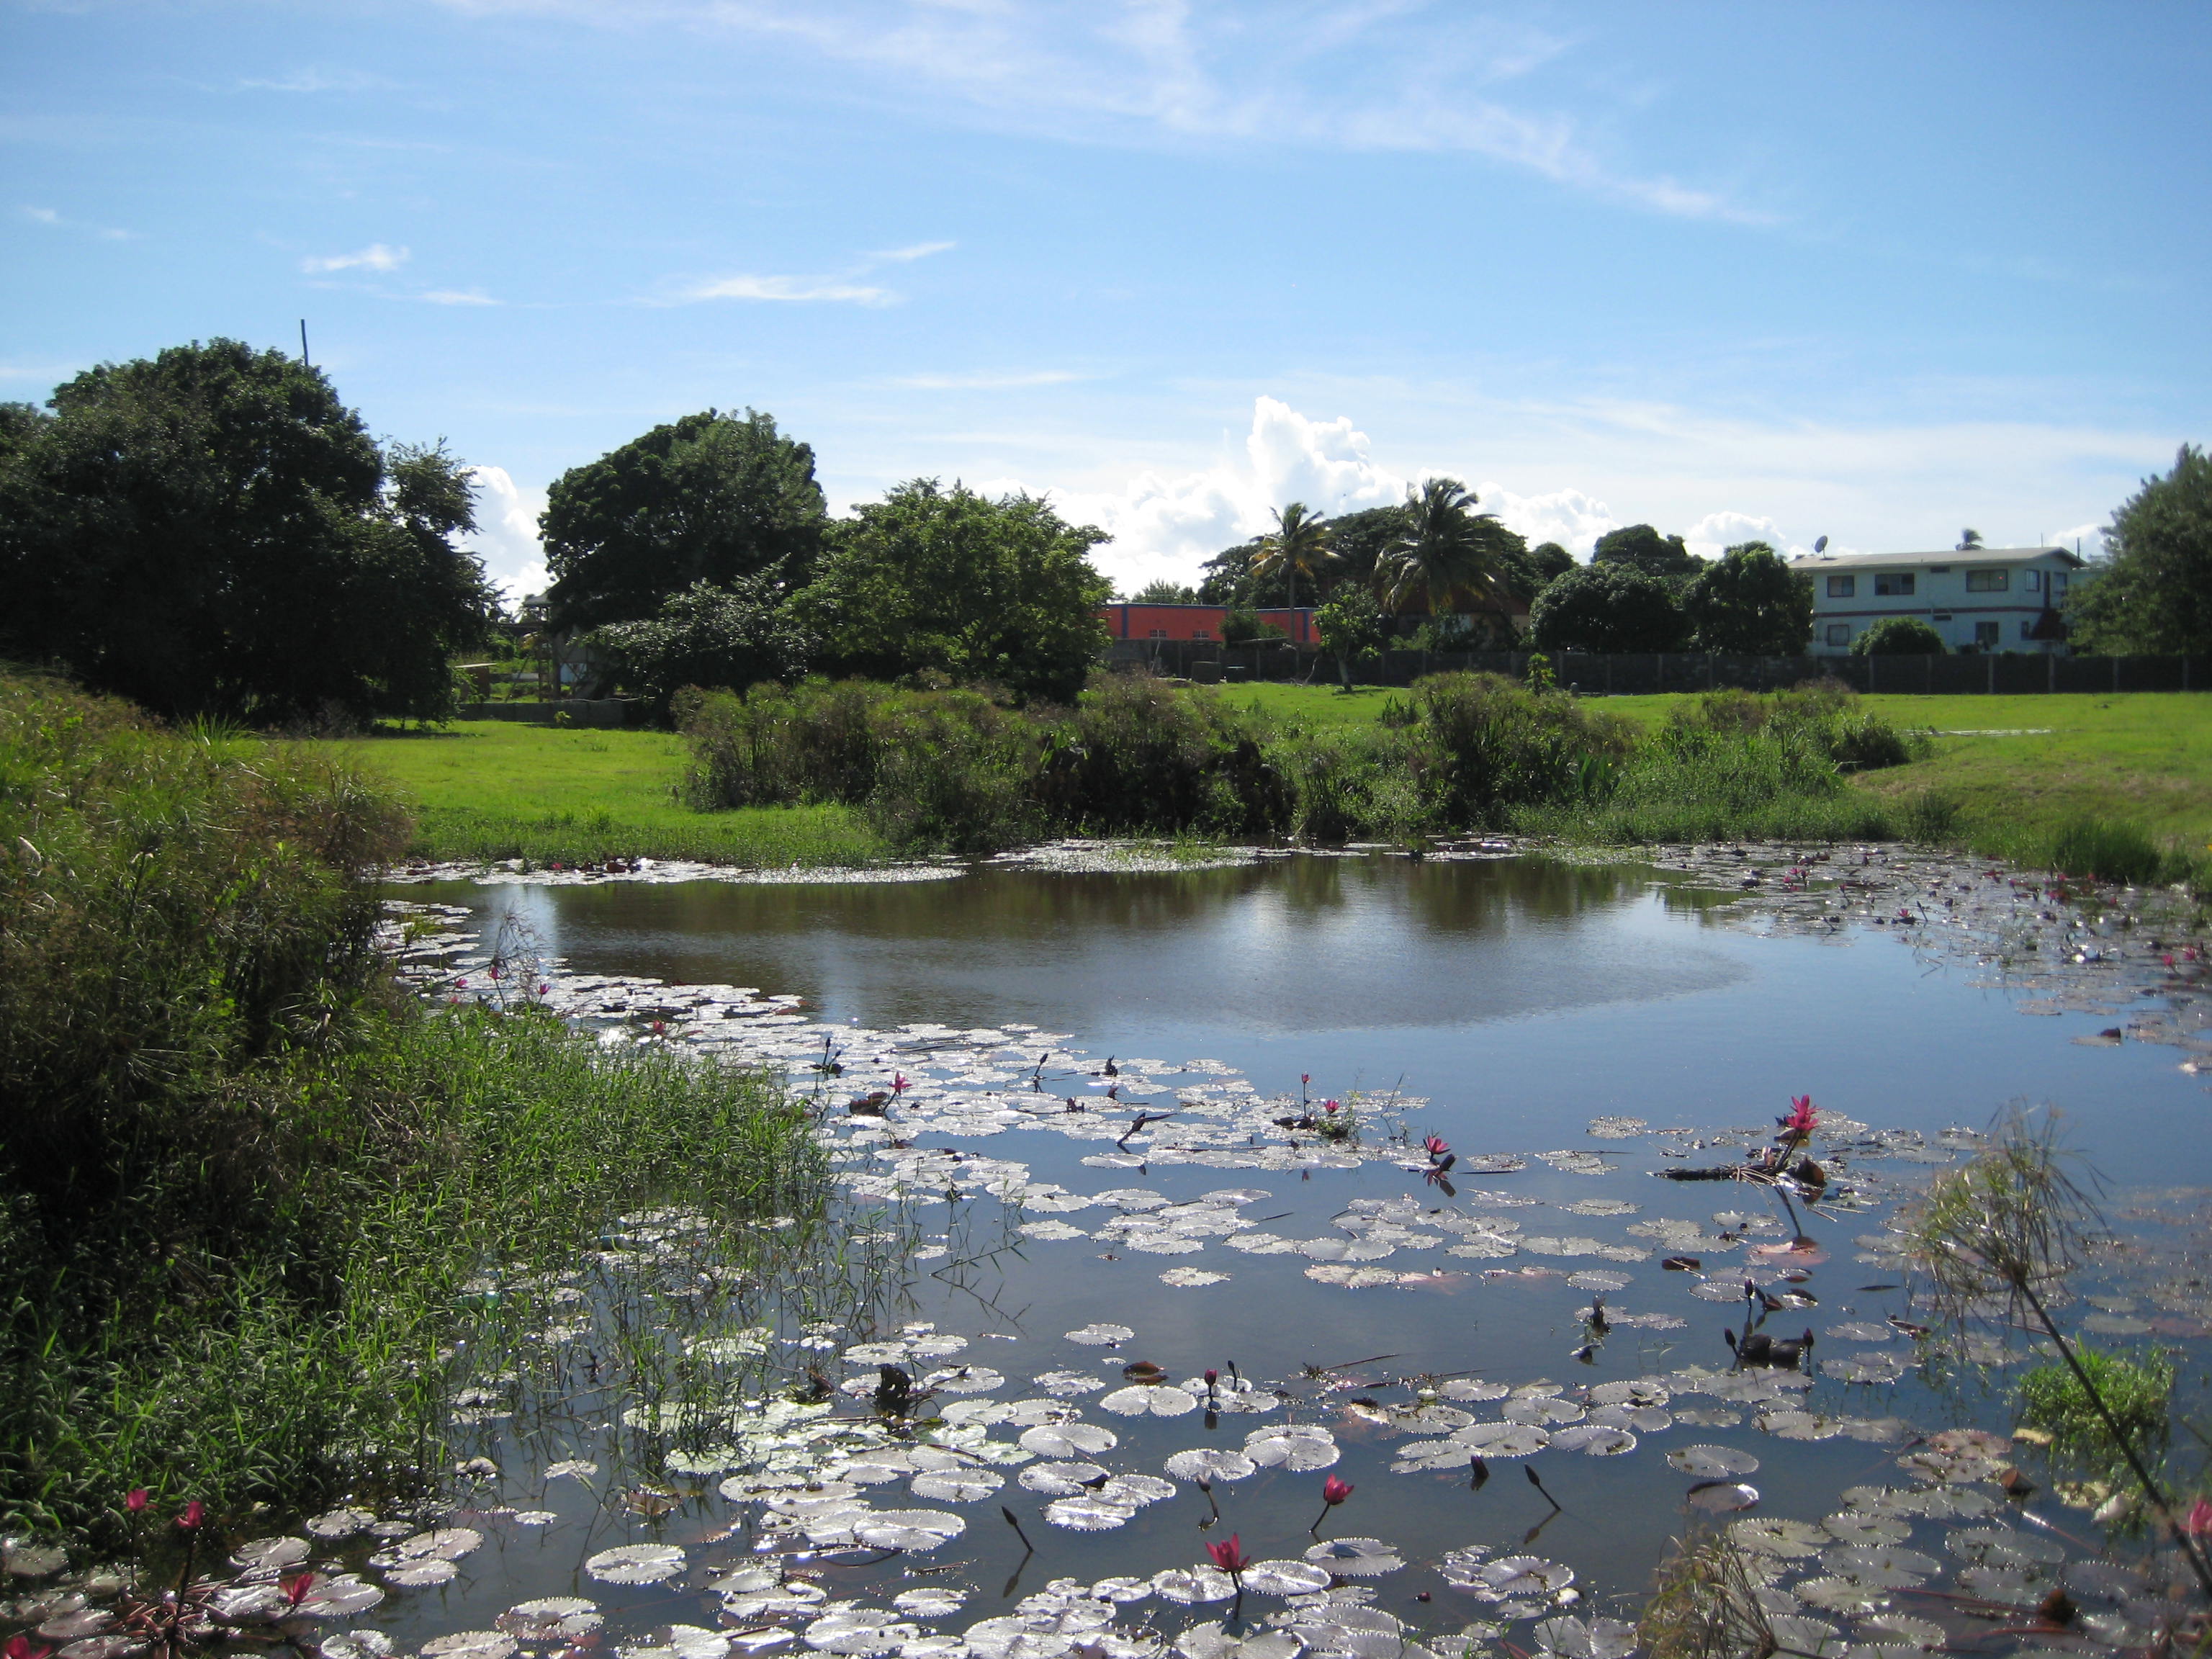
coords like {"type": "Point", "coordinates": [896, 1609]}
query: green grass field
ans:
{"type": "Point", "coordinates": [501, 789]}
{"type": "Point", "coordinates": [2018, 766]}
{"type": "Point", "coordinates": [2019, 769]}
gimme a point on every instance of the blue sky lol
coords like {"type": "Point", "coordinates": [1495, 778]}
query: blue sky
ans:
{"type": "Point", "coordinates": [1876, 272]}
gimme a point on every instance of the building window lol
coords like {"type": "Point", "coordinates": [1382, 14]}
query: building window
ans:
{"type": "Point", "coordinates": [2032, 580]}
{"type": "Point", "coordinates": [1843, 587]}
{"type": "Point", "coordinates": [1985, 634]}
{"type": "Point", "coordinates": [1159, 632]}
{"type": "Point", "coordinates": [1201, 633]}
{"type": "Point", "coordinates": [1988, 581]}
{"type": "Point", "coordinates": [1892, 584]}
{"type": "Point", "coordinates": [2058, 581]}
{"type": "Point", "coordinates": [1840, 633]}
{"type": "Point", "coordinates": [2027, 630]}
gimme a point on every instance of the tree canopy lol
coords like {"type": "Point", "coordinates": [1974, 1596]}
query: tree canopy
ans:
{"type": "Point", "coordinates": [1644, 548]}
{"type": "Point", "coordinates": [734, 636]}
{"type": "Point", "coordinates": [1446, 555]}
{"type": "Point", "coordinates": [1749, 603]}
{"type": "Point", "coordinates": [211, 531]}
{"type": "Point", "coordinates": [981, 589]}
{"type": "Point", "coordinates": [1607, 607]}
{"type": "Point", "coordinates": [2152, 593]}
{"type": "Point", "coordinates": [1164, 591]}
{"type": "Point", "coordinates": [711, 497]}
{"type": "Point", "coordinates": [1297, 545]}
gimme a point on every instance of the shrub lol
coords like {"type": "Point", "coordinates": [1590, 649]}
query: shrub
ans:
{"type": "Point", "coordinates": [1486, 743]}
{"type": "Point", "coordinates": [1823, 712]}
{"type": "Point", "coordinates": [1607, 607]}
{"type": "Point", "coordinates": [1900, 636]}
{"type": "Point", "coordinates": [1139, 755]}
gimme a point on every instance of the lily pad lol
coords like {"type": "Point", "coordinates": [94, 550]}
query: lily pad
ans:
{"type": "Point", "coordinates": [1101, 1336]}
{"type": "Point", "coordinates": [1285, 1577]}
{"type": "Point", "coordinates": [1209, 1463]}
{"type": "Point", "coordinates": [1162, 1400]}
{"type": "Point", "coordinates": [1356, 1558]}
{"type": "Point", "coordinates": [1067, 1440]}
{"type": "Point", "coordinates": [1088, 1513]}
{"type": "Point", "coordinates": [636, 1564]}
{"type": "Point", "coordinates": [908, 1529]}
{"type": "Point", "coordinates": [1712, 1462]}
{"type": "Point", "coordinates": [859, 1631]}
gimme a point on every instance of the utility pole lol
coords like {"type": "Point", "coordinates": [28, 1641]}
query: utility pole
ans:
{"type": "Point", "coordinates": [304, 364]}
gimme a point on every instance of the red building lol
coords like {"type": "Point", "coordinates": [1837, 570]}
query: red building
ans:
{"type": "Point", "coordinates": [1198, 622]}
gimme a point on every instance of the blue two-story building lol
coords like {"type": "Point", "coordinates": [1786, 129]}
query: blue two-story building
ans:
{"type": "Point", "coordinates": [1979, 598]}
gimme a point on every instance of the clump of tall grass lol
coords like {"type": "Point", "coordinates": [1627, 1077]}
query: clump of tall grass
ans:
{"type": "Point", "coordinates": [242, 1177]}
{"type": "Point", "coordinates": [2105, 849]}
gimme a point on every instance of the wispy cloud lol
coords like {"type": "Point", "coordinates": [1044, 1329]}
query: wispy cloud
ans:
{"type": "Point", "coordinates": [375, 256]}
{"type": "Point", "coordinates": [313, 80]}
{"type": "Point", "coordinates": [455, 296]}
{"type": "Point", "coordinates": [989, 379]}
{"type": "Point", "coordinates": [59, 221]}
{"type": "Point", "coordinates": [803, 290]}
{"type": "Point", "coordinates": [918, 250]}
{"type": "Point", "coordinates": [1366, 75]}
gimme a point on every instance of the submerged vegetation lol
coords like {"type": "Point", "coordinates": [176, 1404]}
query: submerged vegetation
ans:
{"type": "Point", "coordinates": [243, 1180]}
{"type": "Point", "coordinates": [955, 770]}
{"type": "Point", "coordinates": [2111, 1394]}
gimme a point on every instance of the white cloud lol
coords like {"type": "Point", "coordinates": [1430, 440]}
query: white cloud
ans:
{"type": "Point", "coordinates": [375, 256]}
{"type": "Point", "coordinates": [1568, 517]}
{"type": "Point", "coordinates": [457, 297]}
{"type": "Point", "coordinates": [1167, 525]}
{"type": "Point", "coordinates": [316, 80]}
{"type": "Point", "coordinates": [2090, 536]}
{"type": "Point", "coordinates": [988, 381]}
{"type": "Point", "coordinates": [506, 532]}
{"type": "Point", "coordinates": [797, 289]}
{"type": "Point", "coordinates": [1717, 533]}
{"type": "Point", "coordinates": [918, 250]}
{"type": "Point", "coordinates": [44, 216]}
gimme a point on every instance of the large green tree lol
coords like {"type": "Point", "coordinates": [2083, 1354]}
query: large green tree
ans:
{"type": "Point", "coordinates": [211, 531]}
{"type": "Point", "coordinates": [982, 589]}
{"type": "Point", "coordinates": [709, 498]}
{"type": "Point", "coordinates": [2152, 591]}
{"type": "Point", "coordinates": [1446, 556]}
{"type": "Point", "coordinates": [1607, 607]}
{"type": "Point", "coordinates": [1641, 546]}
{"type": "Point", "coordinates": [1748, 602]}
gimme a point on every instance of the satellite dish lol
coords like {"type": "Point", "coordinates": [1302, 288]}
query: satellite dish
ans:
{"type": "Point", "coordinates": [1821, 546]}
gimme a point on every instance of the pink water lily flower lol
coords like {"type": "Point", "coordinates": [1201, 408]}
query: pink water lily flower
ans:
{"type": "Point", "coordinates": [1436, 1147]}
{"type": "Point", "coordinates": [1803, 1119]}
{"type": "Point", "coordinates": [1228, 1555]}
{"type": "Point", "coordinates": [193, 1514]}
{"type": "Point", "coordinates": [135, 1502]}
{"type": "Point", "coordinates": [2198, 1524]}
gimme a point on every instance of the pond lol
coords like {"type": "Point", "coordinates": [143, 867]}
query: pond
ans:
{"type": "Point", "coordinates": [1161, 1301]}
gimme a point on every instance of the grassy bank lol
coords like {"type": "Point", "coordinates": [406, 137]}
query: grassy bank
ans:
{"type": "Point", "coordinates": [244, 1181]}
{"type": "Point", "coordinates": [502, 789]}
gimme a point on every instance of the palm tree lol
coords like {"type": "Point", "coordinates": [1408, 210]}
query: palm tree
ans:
{"type": "Point", "coordinates": [1300, 542]}
{"type": "Point", "coordinates": [1447, 555]}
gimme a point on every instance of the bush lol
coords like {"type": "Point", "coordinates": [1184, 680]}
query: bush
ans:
{"type": "Point", "coordinates": [242, 1177]}
{"type": "Point", "coordinates": [1139, 755]}
{"type": "Point", "coordinates": [2102, 849]}
{"type": "Point", "coordinates": [1485, 742]}
{"type": "Point", "coordinates": [1824, 712]}
{"type": "Point", "coordinates": [1900, 636]}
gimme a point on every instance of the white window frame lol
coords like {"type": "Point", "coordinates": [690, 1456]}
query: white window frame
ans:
{"type": "Point", "coordinates": [1840, 633]}
{"type": "Point", "coordinates": [1843, 587]}
{"type": "Point", "coordinates": [1988, 581]}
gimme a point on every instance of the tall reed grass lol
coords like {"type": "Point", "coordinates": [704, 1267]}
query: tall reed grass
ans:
{"type": "Point", "coordinates": [954, 771]}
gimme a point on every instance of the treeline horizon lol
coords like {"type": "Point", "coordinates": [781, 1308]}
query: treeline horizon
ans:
{"type": "Point", "coordinates": [211, 531]}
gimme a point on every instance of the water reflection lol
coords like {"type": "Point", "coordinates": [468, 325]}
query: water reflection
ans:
{"type": "Point", "coordinates": [1303, 945]}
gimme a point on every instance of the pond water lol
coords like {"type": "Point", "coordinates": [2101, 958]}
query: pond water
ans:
{"type": "Point", "coordinates": [1527, 1400]}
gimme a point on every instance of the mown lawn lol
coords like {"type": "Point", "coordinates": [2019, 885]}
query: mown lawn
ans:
{"type": "Point", "coordinates": [499, 789]}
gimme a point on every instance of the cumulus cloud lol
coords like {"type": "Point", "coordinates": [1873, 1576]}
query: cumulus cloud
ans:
{"type": "Point", "coordinates": [1166, 525]}
{"type": "Point", "coordinates": [1717, 533]}
{"type": "Point", "coordinates": [375, 256]}
{"type": "Point", "coordinates": [796, 289]}
{"type": "Point", "coordinates": [2090, 536]}
{"type": "Point", "coordinates": [506, 532]}
{"type": "Point", "coordinates": [1571, 518]}
{"type": "Point", "coordinates": [457, 297]}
